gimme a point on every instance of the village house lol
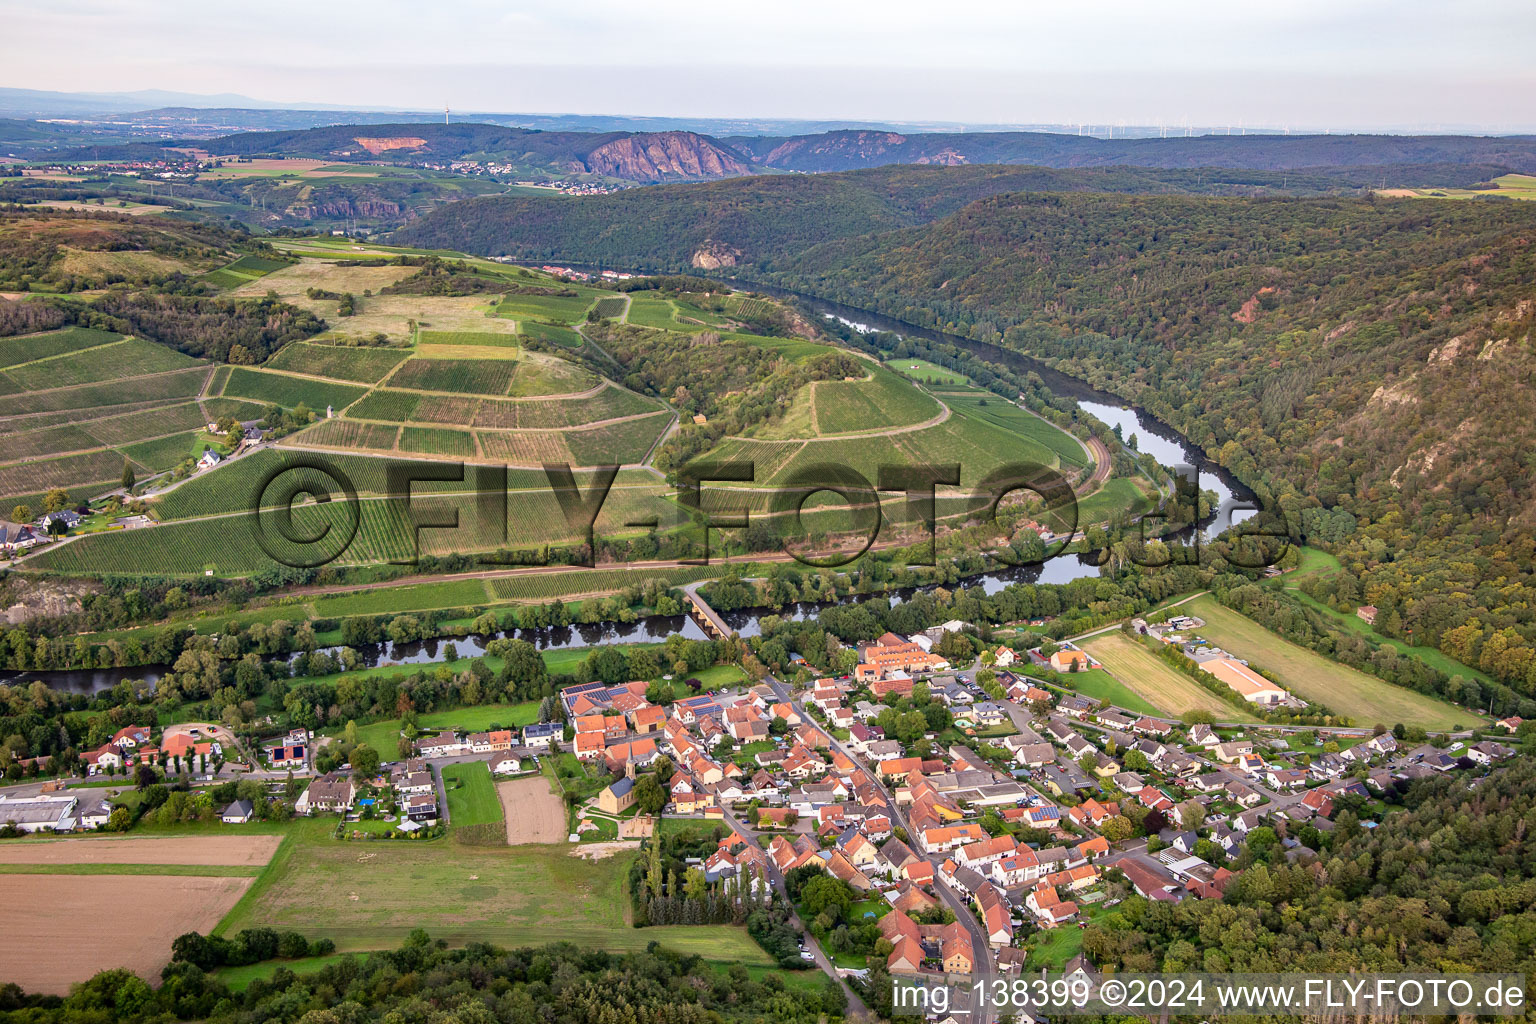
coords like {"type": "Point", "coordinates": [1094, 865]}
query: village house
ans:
{"type": "Point", "coordinates": [331, 793]}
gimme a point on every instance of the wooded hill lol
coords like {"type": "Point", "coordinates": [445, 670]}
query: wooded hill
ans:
{"type": "Point", "coordinates": [1369, 355]}
{"type": "Point", "coordinates": [757, 220]}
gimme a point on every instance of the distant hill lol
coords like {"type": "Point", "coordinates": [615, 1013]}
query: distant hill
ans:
{"type": "Point", "coordinates": [761, 219]}
{"type": "Point", "coordinates": [675, 155]}
{"type": "Point", "coordinates": [634, 156]}
{"type": "Point", "coordinates": [846, 150]}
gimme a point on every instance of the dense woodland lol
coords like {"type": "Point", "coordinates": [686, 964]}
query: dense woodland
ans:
{"type": "Point", "coordinates": [758, 220]}
{"type": "Point", "coordinates": [425, 981]}
{"type": "Point", "coordinates": [242, 331]}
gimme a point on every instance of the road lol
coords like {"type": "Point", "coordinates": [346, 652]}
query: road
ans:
{"type": "Point", "coordinates": [987, 970]}
{"type": "Point", "coordinates": [820, 956]}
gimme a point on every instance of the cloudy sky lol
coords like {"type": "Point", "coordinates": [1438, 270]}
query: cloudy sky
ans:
{"type": "Point", "coordinates": [1299, 63]}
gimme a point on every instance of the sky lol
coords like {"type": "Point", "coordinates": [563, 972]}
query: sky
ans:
{"type": "Point", "coordinates": [1299, 63]}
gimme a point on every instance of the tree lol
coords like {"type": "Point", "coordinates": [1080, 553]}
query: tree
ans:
{"type": "Point", "coordinates": [56, 500]}
{"type": "Point", "coordinates": [21, 514]}
{"type": "Point", "coordinates": [1191, 814]}
{"type": "Point", "coordinates": [825, 892]}
{"type": "Point", "coordinates": [128, 477]}
{"type": "Point", "coordinates": [1116, 828]}
{"type": "Point", "coordinates": [650, 797]}
{"type": "Point", "coordinates": [365, 762]}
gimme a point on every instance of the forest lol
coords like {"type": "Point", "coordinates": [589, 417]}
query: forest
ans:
{"type": "Point", "coordinates": [757, 220]}
{"type": "Point", "coordinates": [424, 980]}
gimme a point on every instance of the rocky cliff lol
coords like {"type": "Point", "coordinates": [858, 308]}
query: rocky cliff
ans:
{"type": "Point", "coordinates": [665, 156]}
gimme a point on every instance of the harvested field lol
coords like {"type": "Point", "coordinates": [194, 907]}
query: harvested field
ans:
{"type": "Point", "coordinates": [234, 850]}
{"type": "Point", "coordinates": [54, 936]}
{"type": "Point", "coordinates": [1162, 685]}
{"type": "Point", "coordinates": [534, 813]}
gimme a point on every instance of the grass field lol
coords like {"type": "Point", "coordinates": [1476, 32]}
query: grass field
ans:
{"type": "Point", "coordinates": [371, 896]}
{"type": "Point", "coordinates": [239, 978]}
{"type": "Point", "coordinates": [392, 600]}
{"type": "Point", "coordinates": [1312, 677]}
{"type": "Point", "coordinates": [542, 374]}
{"type": "Point", "coordinates": [1508, 186]}
{"type": "Point", "coordinates": [929, 373]}
{"type": "Point", "coordinates": [552, 333]}
{"type": "Point", "coordinates": [1100, 685]}
{"type": "Point", "coordinates": [1162, 685]}
{"type": "Point", "coordinates": [382, 736]}
{"type": "Point", "coordinates": [472, 798]}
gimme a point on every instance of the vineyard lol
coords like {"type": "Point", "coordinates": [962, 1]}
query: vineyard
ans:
{"type": "Point", "coordinates": [364, 365]}
{"type": "Point", "coordinates": [383, 404]}
{"type": "Point", "coordinates": [218, 408]}
{"type": "Point", "coordinates": [131, 357]}
{"type": "Point", "coordinates": [73, 470]}
{"type": "Point", "coordinates": [432, 441]}
{"type": "Point", "coordinates": [241, 272]}
{"type": "Point", "coordinates": [338, 433]}
{"type": "Point", "coordinates": [29, 348]}
{"type": "Point", "coordinates": [393, 600]}
{"type": "Point", "coordinates": [228, 544]}
{"type": "Point", "coordinates": [548, 586]}
{"type": "Point", "coordinates": [48, 441]}
{"type": "Point", "coordinates": [150, 423]}
{"type": "Point", "coordinates": [610, 306]}
{"type": "Point", "coordinates": [525, 449]}
{"type": "Point", "coordinates": [465, 376]}
{"type": "Point", "coordinates": [467, 338]}
{"type": "Point", "coordinates": [609, 403]}
{"type": "Point", "coordinates": [166, 452]}
{"type": "Point", "coordinates": [442, 409]}
{"type": "Point", "coordinates": [558, 309]}
{"type": "Point", "coordinates": [288, 391]}
{"type": "Point", "coordinates": [176, 385]}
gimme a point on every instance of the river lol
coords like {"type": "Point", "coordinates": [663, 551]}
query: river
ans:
{"type": "Point", "coordinates": [1153, 437]}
